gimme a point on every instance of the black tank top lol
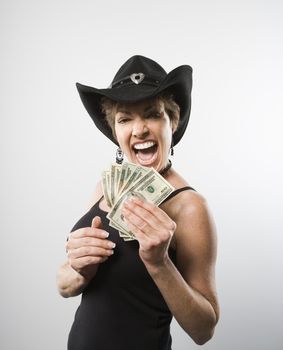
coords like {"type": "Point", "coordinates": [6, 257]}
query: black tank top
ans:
{"type": "Point", "coordinates": [121, 308]}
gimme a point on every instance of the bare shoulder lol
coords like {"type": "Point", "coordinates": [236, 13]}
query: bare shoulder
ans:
{"type": "Point", "coordinates": [191, 204]}
{"type": "Point", "coordinates": [96, 195]}
{"type": "Point", "coordinates": [186, 203]}
{"type": "Point", "coordinates": [188, 200]}
{"type": "Point", "coordinates": [195, 235]}
{"type": "Point", "coordinates": [195, 223]}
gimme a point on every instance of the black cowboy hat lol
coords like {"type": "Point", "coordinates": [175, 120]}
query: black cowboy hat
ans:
{"type": "Point", "coordinates": [140, 78]}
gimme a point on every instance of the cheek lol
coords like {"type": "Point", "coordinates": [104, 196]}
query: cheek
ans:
{"type": "Point", "coordinates": [121, 136]}
{"type": "Point", "coordinates": [167, 137]}
{"type": "Point", "coordinates": [168, 132]}
{"type": "Point", "coordinates": [120, 140]}
{"type": "Point", "coordinates": [117, 132]}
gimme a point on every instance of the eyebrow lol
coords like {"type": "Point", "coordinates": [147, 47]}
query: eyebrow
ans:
{"type": "Point", "coordinates": [150, 107]}
{"type": "Point", "coordinates": [123, 111]}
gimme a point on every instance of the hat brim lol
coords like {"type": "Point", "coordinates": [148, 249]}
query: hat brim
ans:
{"type": "Point", "coordinates": [178, 82]}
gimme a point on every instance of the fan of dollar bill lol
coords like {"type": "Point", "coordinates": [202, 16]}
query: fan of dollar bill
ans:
{"type": "Point", "coordinates": [120, 182]}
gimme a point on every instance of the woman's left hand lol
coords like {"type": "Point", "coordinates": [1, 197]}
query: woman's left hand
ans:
{"type": "Point", "coordinates": [152, 227]}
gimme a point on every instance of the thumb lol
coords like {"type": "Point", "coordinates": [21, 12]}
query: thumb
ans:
{"type": "Point", "coordinates": [96, 222]}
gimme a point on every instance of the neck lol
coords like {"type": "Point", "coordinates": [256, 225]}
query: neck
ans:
{"type": "Point", "coordinates": [167, 167]}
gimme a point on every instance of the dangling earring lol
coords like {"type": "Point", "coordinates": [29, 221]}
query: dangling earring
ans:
{"type": "Point", "coordinates": [119, 156]}
{"type": "Point", "coordinates": [172, 148]}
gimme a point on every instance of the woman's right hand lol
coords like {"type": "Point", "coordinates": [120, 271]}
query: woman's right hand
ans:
{"type": "Point", "coordinates": [88, 247]}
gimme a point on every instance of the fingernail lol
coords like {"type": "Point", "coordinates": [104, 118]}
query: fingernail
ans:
{"type": "Point", "coordinates": [106, 234]}
{"type": "Point", "coordinates": [112, 245]}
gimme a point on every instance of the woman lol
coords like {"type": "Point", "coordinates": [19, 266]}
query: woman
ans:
{"type": "Point", "coordinates": [130, 290]}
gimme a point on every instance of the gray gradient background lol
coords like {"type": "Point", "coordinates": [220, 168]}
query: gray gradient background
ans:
{"type": "Point", "coordinates": [52, 155]}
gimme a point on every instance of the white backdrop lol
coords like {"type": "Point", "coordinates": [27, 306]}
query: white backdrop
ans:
{"type": "Point", "coordinates": [52, 155]}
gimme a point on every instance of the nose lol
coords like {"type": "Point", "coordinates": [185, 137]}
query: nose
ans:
{"type": "Point", "coordinates": [140, 129]}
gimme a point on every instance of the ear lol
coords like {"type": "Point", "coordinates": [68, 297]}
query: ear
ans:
{"type": "Point", "coordinates": [174, 126]}
{"type": "Point", "coordinates": [114, 132]}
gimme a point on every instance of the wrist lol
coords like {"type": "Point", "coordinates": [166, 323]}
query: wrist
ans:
{"type": "Point", "coordinates": [160, 267]}
{"type": "Point", "coordinates": [86, 274]}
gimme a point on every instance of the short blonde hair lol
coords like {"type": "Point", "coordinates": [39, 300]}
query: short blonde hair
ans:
{"type": "Point", "coordinates": [109, 108]}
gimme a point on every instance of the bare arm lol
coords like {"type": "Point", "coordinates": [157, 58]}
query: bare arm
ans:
{"type": "Point", "coordinates": [87, 248]}
{"type": "Point", "coordinates": [189, 291]}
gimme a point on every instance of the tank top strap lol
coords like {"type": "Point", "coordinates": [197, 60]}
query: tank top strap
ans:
{"type": "Point", "coordinates": [96, 203]}
{"type": "Point", "coordinates": [174, 193]}
{"type": "Point", "coordinates": [100, 199]}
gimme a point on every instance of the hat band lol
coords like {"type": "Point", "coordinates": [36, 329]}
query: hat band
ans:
{"type": "Point", "coordinates": [135, 78]}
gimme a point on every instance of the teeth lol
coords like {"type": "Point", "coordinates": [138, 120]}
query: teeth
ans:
{"type": "Point", "coordinates": [144, 145]}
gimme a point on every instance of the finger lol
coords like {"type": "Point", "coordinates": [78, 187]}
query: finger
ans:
{"type": "Point", "coordinates": [139, 235]}
{"type": "Point", "coordinates": [89, 232]}
{"type": "Point", "coordinates": [96, 222]}
{"type": "Point", "coordinates": [132, 218]}
{"type": "Point", "coordinates": [89, 241]}
{"type": "Point", "coordinates": [160, 232]}
{"type": "Point", "coordinates": [150, 207]}
{"type": "Point", "coordinates": [145, 240]}
{"type": "Point", "coordinates": [155, 216]}
{"type": "Point", "coordinates": [141, 229]}
{"type": "Point", "coordinates": [90, 252]}
{"type": "Point", "coordinates": [80, 263]}
{"type": "Point", "coordinates": [143, 214]}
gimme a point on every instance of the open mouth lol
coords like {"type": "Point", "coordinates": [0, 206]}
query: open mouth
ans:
{"type": "Point", "coordinates": [146, 152]}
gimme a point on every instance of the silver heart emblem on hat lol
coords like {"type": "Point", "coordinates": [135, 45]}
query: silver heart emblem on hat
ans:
{"type": "Point", "coordinates": [137, 78]}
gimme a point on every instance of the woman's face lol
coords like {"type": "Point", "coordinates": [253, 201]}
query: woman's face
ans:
{"type": "Point", "coordinates": [144, 133]}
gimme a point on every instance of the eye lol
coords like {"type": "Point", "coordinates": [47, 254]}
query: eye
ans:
{"type": "Point", "coordinates": [122, 119]}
